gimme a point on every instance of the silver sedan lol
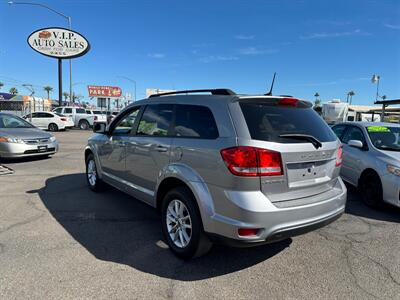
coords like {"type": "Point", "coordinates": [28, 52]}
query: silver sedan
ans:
{"type": "Point", "coordinates": [371, 160]}
{"type": "Point", "coordinates": [18, 138]}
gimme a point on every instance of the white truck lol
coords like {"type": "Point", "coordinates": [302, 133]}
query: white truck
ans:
{"type": "Point", "coordinates": [99, 116]}
{"type": "Point", "coordinates": [81, 119]}
{"type": "Point", "coordinates": [336, 111]}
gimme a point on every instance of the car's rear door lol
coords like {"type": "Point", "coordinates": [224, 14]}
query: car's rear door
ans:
{"type": "Point", "coordinates": [307, 147]}
{"type": "Point", "coordinates": [148, 150]}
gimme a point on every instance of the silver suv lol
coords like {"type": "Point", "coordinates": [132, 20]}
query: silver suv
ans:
{"type": "Point", "coordinates": [243, 170]}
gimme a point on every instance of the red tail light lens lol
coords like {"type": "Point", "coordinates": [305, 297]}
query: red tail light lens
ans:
{"type": "Point", "coordinates": [64, 119]}
{"type": "Point", "coordinates": [247, 231]}
{"type": "Point", "coordinates": [339, 157]}
{"type": "Point", "coordinates": [288, 101]}
{"type": "Point", "coordinates": [251, 161]}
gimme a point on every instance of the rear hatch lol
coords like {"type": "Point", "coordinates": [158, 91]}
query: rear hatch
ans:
{"type": "Point", "coordinates": [308, 148]}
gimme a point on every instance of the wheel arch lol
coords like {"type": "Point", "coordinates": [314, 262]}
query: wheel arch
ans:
{"type": "Point", "coordinates": [366, 172]}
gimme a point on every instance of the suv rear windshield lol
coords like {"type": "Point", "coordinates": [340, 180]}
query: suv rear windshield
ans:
{"type": "Point", "coordinates": [267, 121]}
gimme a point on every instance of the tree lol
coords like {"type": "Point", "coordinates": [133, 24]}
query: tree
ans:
{"type": "Point", "coordinates": [351, 94]}
{"type": "Point", "coordinates": [48, 89]}
{"type": "Point", "coordinates": [317, 102]}
{"type": "Point", "coordinates": [1, 85]}
{"type": "Point", "coordinates": [13, 91]}
{"type": "Point", "coordinates": [384, 97]}
{"type": "Point", "coordinates": [66, 96]}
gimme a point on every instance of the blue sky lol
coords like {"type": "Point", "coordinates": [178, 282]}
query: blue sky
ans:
{"type": "Point", "coordinates": [329, 47]}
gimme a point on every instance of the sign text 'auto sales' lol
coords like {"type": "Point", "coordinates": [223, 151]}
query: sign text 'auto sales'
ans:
{"type": "Point", "coordinates": [59, 43]}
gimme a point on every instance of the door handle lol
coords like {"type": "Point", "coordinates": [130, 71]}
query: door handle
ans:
{"type": "Point", "coordinates": [161, 148]}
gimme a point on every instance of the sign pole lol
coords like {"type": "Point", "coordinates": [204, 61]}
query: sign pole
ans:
{"type": "Point", "coordinates": [60, 82]}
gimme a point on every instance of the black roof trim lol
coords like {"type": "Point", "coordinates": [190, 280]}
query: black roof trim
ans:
{"type": "Point", "coordinates": [224, 92]}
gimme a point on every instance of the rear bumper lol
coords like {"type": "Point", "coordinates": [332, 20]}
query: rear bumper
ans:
{"type": "Point", "coordinates": [234, 210]}
{"type": "Point", "coordinates": [277, 236]}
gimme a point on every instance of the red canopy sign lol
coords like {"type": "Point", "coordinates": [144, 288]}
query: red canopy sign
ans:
{"type": "Point", "coordinates": [104, 91]}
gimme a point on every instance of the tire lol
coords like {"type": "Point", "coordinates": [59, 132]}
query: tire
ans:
{"type": "Point", "coordinates": [53, 127]}
{"type": "Point", "coordinates": [371, 191]}
{"type": "Point", "coordinates": [83, 125]}
{"type": "Point", "coordinates": [92, 178]}
{"type": "Point", "coordinates": [197, 243]}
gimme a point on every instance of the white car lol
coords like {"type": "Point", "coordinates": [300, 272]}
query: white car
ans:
{"type": "Point", "coordinates": [79, 116]}
{"type": "Point", "coordinates": [49, 120]}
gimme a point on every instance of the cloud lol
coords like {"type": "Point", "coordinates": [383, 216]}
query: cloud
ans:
{"type": "Point", "coordinates": [244, 37]}
{"type": "Point", "coordinates": [324, 35]}
{"type": "Point", "coordinates": [391, 26]}
{"type": "Point", "coordinates": [212, 58]}
{"type": "Point", "coordinates": [156, 55]}
{"type": "Point", "coordinates": [256, 51]}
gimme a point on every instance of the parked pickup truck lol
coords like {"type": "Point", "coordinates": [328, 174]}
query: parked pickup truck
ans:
{"type": "Point", "coordinates": [79, 116]}
{"type": "Point", "coordinates": [99, 116]}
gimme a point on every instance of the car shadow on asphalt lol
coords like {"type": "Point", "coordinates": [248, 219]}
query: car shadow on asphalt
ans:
{"type": "Point", "coordinates": [20, 160]}
{"type": "Point", "coordinates": [355, 206]}
{"type": "Point", "coordinates": [118, 228]}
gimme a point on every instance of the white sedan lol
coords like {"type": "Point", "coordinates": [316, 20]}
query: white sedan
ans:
{"type": "Point", "coordinates": [49, 120]}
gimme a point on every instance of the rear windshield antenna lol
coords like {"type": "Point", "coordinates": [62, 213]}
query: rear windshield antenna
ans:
{"type": "Point", "coordinates": [272, 86]}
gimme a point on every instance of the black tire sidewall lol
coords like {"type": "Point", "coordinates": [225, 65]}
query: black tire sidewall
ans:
{"type": "Point", "coordinates": [53, 127]}
{"type": "Point", "coordinates": [83, 125]}
{"type": "Point", "coordinates": [184, 195]}
{"type": "Point", "coordinates": [366, 182]}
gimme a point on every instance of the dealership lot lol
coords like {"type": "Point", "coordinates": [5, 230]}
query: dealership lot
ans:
{"type": "Point", "coordinates": [60, 240]}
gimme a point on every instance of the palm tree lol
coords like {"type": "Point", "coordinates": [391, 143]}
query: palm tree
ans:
{"type": "Point", "coordinates": [384, 97]}
{"type": "Point", "coordinates": [317, 102]}
{"type": "Point", "coordinates": [13, 91]}
{"type": "Point", "coordinates": [1, 85]}
{"type": "Point", "coordinates": [351, 94]}
{"type": "Point", "coordinates": [48, 89]}
{"type": "Point", "coordinates": [66, 96]}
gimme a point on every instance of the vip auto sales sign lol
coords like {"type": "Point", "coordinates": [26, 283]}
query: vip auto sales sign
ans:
{"type": "Point", "coordinates": [58, 42]}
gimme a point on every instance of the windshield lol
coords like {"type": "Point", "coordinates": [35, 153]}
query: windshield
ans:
{"type": "Point", "coordinates": [285, 124]}
{"type": "Point", "coordinates": [385, 137]}
{"type": "Point", "coordinates": [7, 121]}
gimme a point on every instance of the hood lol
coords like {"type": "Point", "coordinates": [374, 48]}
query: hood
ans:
{"type": "Point", "coordinates": [24, 133]}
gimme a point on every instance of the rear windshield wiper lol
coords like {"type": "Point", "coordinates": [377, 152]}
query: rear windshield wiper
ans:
{"type": "Point", "coordinates": [309, 138]}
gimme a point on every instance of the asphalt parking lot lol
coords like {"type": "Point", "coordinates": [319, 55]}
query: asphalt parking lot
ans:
{"type": "Point", "coordinates": [60, 240]}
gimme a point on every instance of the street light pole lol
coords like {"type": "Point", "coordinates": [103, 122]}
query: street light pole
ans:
{"type": "Point", "coordinates": [68, 18]}
{"type": "Point", "coordinates": [131, 80]}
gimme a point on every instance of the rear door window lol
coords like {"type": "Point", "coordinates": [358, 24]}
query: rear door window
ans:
{"type": "Point", "coordinates": [195, 121]}
{"type": "Point", "coordinates": [67, 110]}
{"type": "Point", "coordinates": [156, 120]}
{"type": "Point", "coordinates": [267, 121]}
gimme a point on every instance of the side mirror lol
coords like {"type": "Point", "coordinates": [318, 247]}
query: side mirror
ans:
{"type": "Point", "coordinates": [356, 144]}
{"type": "Point", "coordinates": [100, 128]}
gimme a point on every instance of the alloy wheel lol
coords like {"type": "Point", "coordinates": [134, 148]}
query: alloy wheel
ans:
{"type": "Point", "coordinates": [91, 172]}
{"type": "Point", "coordinates": [179, 223]}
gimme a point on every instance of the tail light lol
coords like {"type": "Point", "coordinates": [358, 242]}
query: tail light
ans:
{"type": "Point", "coordinates": [288, 101]}
{"type": "Point", "coordinates": [339, 156]}
{"type": "Point", "coordinates": [251, 161]}
{"type": "Point", "coordinates": [64, 119]}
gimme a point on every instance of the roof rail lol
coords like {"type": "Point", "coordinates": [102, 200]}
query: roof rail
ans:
{"type": "Point", "coordinates": [225, 92]}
